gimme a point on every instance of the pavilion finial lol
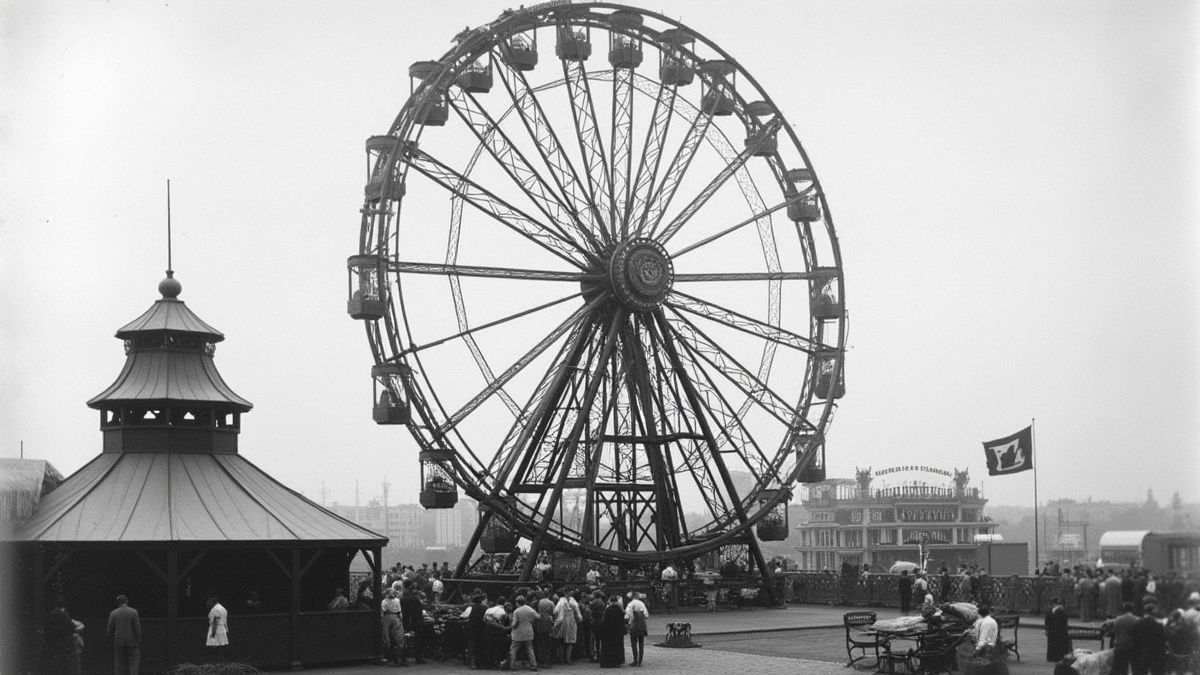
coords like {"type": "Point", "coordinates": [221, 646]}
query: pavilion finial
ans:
{"type": "Point", "coordinates": [170, 286]}
{"type": "Point", "coordinates": [170, 269]}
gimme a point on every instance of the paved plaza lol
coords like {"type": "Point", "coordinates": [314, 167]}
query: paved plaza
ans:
{"type": "Point", "coordinates": [799, 639]}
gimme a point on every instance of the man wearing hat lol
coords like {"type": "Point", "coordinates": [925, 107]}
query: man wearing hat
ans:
{"type": "Point", "coordinates": [125, 631]}
{"type": "Point", "coordinates": [1124, 639]}
{"type": "Point", "coordinates": [1058, 639]}
{"type": "Point", "coordinates": [523, 619]}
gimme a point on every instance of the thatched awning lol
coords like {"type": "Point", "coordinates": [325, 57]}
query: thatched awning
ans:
{"type": "Point", "coordinates": [22, 484]}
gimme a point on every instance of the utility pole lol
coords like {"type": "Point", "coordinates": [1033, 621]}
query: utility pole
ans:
{"type": "Point", "coordinates": [1042, 539]}
{"type": "Point", "coordinates": [385, 507]}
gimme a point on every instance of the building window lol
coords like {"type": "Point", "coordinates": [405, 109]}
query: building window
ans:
{"type": "Point", "coordinates": [825, 538]}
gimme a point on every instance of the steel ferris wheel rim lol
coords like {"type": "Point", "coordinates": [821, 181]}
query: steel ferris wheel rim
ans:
{"type": "Point", "coordinates": [621, 273]}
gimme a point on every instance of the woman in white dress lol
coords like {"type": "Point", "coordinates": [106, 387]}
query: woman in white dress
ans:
{"type": "Point", "coordinates": [566, 624]}
{"type": "Point", "coordinates": [218, 629]}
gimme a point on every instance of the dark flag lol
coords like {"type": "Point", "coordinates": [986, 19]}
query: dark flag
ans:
{"type": "Point", "coordinates": [1011, 454]}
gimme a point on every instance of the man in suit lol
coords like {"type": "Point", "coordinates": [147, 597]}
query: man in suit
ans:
{"type": "Point", "coordinates": [944, 587]}
{"type": "Point", "coordinates": [125, 632]}
{"type": "Point", "coordinates": [1086, 590]}
{"type": "Point", "coordinates": [1150, 638]}
{"type": "Point", "coordinates": [1111, 590]}
{"type": "Point", "coordinates": [412, 615]}
{"type": "Point", "coordinates": [523, 619]}
{"type": "Point", "coordinates": [1124, 639]}
{"type": "Point", "coordinates": [1058, 638]}
{"type": "Point", "coordinates": [905, 586]}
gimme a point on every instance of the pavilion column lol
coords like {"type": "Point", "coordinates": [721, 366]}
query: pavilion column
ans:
{"type": "Point", "coordinates": [172, 604]}
{"type": "Point", "coordinates": [296, 574]}
{"type": "Point", "coordinates": [33, 654]}
{"type": "Point", "coordinates": [375, 560]}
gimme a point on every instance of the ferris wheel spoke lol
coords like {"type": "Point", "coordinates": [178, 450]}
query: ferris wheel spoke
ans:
{"type": "Point", "coordinates": [748, 221]}
{"type": "Point", "coordinates": [730, 447]}
{"type": "Point", "coordinates": [738, 321]}
{"type": "Point", "coordinates": [519, 365]}
{"type": "Point", "coordinates": [652, 150]}
{"type": "Point", "coordinates": [468, 338]}
{"type": "Point", "coordinates": [604, 410]}
{"type": "Point", "coordinates": [655, 422]}
{"type": "Point", "coordinates": [622, 147]}
{"type": "Point", "coordinates": [591, 145]}
{"type": "Point", "coordinates": [702, 416]}
{"type": "Point", "coordinates": [557, 446]}
{"type": "Point", "coordinates": [536, 406]}
{"type": "Point", "coordinates": [491, 324]}
{"type": "Point", "coordinates": [453, 270]}
{"type": "Point", "coordinates": [733, 436]}
{"type": "Point", "coordinates": [657, 203]}
{"type": "Point", "coordinates": [547, 447]}
{"type": "Point", "coordinates": [571, 444]}
{"type": "Point", "coordinates": [707, 350]}
{"type": "Point", "coordinates": [501, 148]}
{"type": "Point", "coordinates": [692, 455]}
{"type": "Point", "coordinates": [500, 210]}
{"type": "Point", "coordinates": [560, 168]}
{"type": "Point", "coordinates": [748, 276]}
{"type": "Point", "coordinates": [719, 180]}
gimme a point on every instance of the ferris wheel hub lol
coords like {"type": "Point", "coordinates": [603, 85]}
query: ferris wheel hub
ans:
{"type": "Point", "coordinates": [641, 273]}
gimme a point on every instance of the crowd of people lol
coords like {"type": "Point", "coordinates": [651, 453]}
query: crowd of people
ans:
{"type": "Point", "coordinates": [541, 627]}
{"type": "Point", "coordinates": [535, 626]}
{"type": "Point", "coordinates": [1094, 593]}
{"type": "Point", "coordinates": [1153, 625]}
{"type": "Point", "coordinates": [1087, 592]}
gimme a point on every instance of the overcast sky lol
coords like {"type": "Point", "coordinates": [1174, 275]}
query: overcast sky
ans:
{"type": "Point", "coordinates": [1014, 185]}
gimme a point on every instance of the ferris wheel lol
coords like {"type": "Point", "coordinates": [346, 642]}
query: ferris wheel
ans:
{"type": "Point", "coordinates": [603, 291]}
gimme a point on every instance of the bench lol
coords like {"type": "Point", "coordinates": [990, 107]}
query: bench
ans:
{"type": "Point", "coordinates": [857, 638]}
{"type": "Point", "coordinates": [1006, 622]}
{"type": "Point", "coordinates": [1077, 633]}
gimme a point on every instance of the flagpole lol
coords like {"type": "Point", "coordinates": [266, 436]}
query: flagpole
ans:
{"type": "Point", "coordinates": [1033, 458]}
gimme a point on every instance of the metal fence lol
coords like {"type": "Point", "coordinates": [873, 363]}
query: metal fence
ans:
{"type": "Point", "coordinates": [1011, 595]}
